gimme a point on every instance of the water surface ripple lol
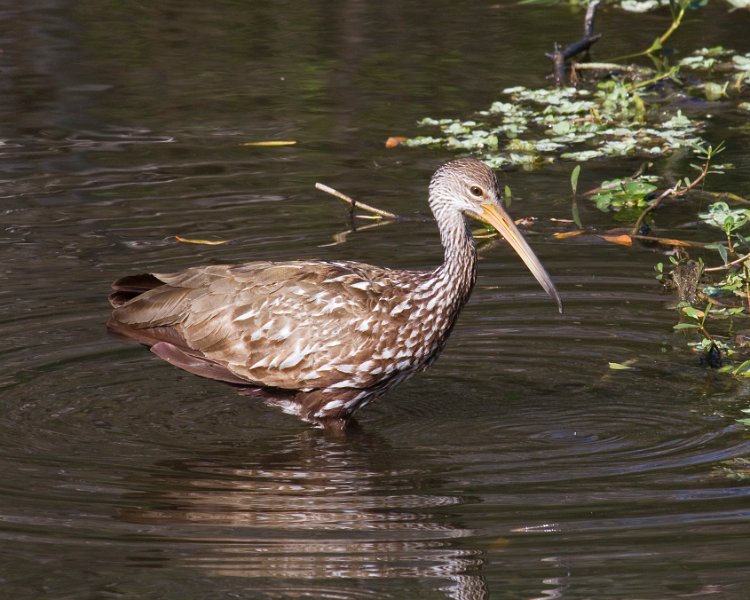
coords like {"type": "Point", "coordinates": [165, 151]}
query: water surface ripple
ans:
{"type": "Point", "coordinates": [519, 466]}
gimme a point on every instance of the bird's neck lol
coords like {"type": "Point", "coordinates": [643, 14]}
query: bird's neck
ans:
{"type": "Point", "coordinates": [457, 274]}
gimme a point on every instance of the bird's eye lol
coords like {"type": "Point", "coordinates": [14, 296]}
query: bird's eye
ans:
{"type": "Point", "coordinates": [476, 191]}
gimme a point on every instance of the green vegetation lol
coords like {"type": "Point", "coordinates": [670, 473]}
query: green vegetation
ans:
{"type": "Point", "coordinates": [711, 299]}
{"type": "Point", "coordinates": [625, 194]}
{"type": "Point", "coordinates": [622, 109]}
{"type": "Point", "coordinates": [543, 125]}
{"type": "Point", "coordinates": [615, 109]}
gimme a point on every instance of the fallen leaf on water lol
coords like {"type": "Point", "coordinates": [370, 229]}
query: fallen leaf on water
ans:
{"type": "Point", "coordinates": [394, 141]}
{"type": "Point", "coordinates": [566, 234]}
{"type": "Point", "coordinates": [623, 240]}
{"type": "Point", "coordinates": [271, 143]}
{"type": "Point", "coordinates": [179, 238]}
{"type": "Point", "coordinates": [621, 366]}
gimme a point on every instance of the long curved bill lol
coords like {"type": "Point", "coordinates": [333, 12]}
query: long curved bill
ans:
{"type": "Point", "coordinates": [500, 220]}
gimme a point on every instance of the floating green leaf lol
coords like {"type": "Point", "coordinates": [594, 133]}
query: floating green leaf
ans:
{"type": "Point", "coordinates": [720, 215]}
{"type": "Point", "coordinates": [619, 194]}
{"type": "Point", "coordinates": [574, 178]}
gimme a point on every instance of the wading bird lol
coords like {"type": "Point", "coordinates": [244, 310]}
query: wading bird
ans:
{"type": "Point", "coordinates": [321, 339]}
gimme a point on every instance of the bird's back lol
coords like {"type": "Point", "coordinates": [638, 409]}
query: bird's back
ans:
{"type": "Point", "coordinates": [297, 325]}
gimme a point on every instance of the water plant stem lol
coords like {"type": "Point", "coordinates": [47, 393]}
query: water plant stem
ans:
{"type": "Point", "coordinates": [676, 191]}
{"type": "Point", "coordinates": [658, 43]}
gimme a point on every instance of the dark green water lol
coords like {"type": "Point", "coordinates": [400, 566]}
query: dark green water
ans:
{"type": "Point", "coordinates": [519, 466]}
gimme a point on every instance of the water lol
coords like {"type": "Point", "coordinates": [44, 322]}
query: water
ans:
{"type": "Point", "coordinates": [519, 466]}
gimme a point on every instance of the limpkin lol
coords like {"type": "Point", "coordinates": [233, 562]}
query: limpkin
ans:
{"type": "Point", "coordinates": [322, 338]}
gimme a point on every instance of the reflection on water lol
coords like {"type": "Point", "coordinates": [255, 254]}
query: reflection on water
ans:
{"type": "Point", "coordinates": [320, 510]}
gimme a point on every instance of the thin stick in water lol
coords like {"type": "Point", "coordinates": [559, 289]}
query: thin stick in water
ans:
{"type": "Point", "coordinates": [356, 203]}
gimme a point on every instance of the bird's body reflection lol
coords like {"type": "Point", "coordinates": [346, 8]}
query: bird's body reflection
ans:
{"type": "Point", "coordinates": [315, 514]}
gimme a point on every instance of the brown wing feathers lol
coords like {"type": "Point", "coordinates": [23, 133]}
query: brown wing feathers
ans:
{"type": "Point", "coordinates": [129, 287]}
{"type": "Point", "coordinates": [290, 325]}
{"type": "Point", "coordinates": [195, 363]}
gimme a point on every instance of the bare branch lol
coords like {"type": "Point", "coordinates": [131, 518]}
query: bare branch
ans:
{"type": "Point", "coordinates": [737, 261]}
{"type": "Point", "coordinates": [588, 23]}
{"type": "Point", "coordinates": [356, 203]}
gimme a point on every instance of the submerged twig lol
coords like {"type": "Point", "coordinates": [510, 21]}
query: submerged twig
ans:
{"type": "Point", "coordinates": [669, 241]}
{"type": "Point", "coordinates": [340, 238]}
{"type": "Point", "coordinates": [630, 70]}
{"type": "Point", "coordinates": [676, 190]}
{"type": "Point", "coordinates": [559, 56]}
{"type": "Point", "coordinates": [357, 204]}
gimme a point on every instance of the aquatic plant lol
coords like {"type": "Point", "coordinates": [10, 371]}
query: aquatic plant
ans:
{"type": "Point", "coordinates": [614, 109]}
{"type": "Point", "coordinates": [538, 126]}
{"type": "Point", "coordinates": [621, 109]}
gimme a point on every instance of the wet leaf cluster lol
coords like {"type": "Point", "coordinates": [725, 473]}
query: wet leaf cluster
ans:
{"type": "Point", "coordinates": [722, 72]}
{"type": "Point", "coordinates": [530, 127]}
{"type": "Point", "coordinates": [625, 194]}
{"type": "Point", "coordinates": [713, 301]}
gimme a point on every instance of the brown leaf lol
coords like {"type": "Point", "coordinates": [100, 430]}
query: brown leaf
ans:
{"type": "Point", "coordinates": [622, 240]}
{"type": "Point", "coordinates": [394, 141]}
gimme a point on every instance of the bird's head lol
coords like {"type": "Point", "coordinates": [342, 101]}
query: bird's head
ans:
{"type": "Point", "coordinates": [470, 186]}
